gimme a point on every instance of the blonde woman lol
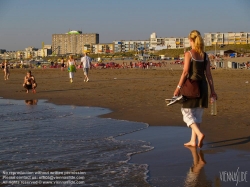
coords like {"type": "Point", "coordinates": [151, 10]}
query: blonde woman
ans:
{"type": "Point", "coordinates": [196, 68]}
{"type": "Point", "coordinates": [71, 67]}
{"type": "Point", "coordinates": [6, 70]}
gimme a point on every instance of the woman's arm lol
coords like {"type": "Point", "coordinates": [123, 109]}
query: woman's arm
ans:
{"type": "Point", "coordinates": [184, 73]}
{"type": "Point", "coordinates": [25, 80]}
{"type": "Point", "coordinates": [210, 80]}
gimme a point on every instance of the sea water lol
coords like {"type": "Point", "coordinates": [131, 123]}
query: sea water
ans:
{"type": "Point", "coordinates": [44, 141]}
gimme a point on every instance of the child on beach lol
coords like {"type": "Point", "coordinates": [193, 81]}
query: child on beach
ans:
{"type": "Point", "coordinates": [71, 67]}
{"type": "Point", "coordinates": [29, 82]}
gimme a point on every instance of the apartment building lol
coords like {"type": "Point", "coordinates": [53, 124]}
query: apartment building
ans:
{"type": "Point", "coordinates": [131, 45]}
{"type": "Point", "coordinates": [73, 42]}
{"type": "Point", "coordinates": [8, 55]}
{"type": "Point", "coordinates": [227, 38]}
{"type": "Point", "coordinates": [103, 48]}
{"type": "Point", "coordinates": [31, 52]}
{"type": "Point", "coordinates": [168, 42]}
{"type": "Point", "coordinates": [45, 51]}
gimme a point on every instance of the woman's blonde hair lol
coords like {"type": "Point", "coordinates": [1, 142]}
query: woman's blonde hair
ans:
{"type": "Point", "coordinates": [195, 36]}
{"type": "Point", "coordinates": [71, 57]}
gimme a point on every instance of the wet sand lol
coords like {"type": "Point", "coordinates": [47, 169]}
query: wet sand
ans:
{"type": "Point", "coordinates": [138, 95]}
{"type": "Point", "coordinates": [173, 165]}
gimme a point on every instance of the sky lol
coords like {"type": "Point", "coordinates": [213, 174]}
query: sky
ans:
{"type": "Point", "coordinates": [25, 23]}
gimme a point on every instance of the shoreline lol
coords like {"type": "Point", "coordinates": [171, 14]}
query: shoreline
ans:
{"type": "Point", "coordinates": [138, 95]}
{"type": "Point", "coordinates": [167, 161]}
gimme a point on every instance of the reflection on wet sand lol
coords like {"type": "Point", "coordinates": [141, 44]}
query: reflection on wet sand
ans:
{"type": "Point", "coordinates": [31, 102]}
{"type": "Point", "coordinates": [196, 175]}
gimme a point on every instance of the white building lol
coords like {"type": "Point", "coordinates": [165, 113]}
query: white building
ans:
{"type": "Point", "coordinates": [168, 42]}
{"type": "Point", "coordinates": [45, 51]}
{"type": "Point", "coordinates": [103, 48]}
{"type": "Point", "coordinates": [227, 38]}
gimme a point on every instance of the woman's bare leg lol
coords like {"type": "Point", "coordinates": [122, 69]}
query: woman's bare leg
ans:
{"type": "Point", "coordinates": [192, 141]}
{"type": "Point", "coordinates": [199, 134]}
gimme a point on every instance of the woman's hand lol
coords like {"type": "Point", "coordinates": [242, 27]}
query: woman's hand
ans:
{"type": "Point", "coordinates": [214, 95]}
{"type": "Point", "coordinates": [177, 92]}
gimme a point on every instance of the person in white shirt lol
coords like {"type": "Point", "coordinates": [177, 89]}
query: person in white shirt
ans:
{"type": "Point", "coordinates": [86, 63]}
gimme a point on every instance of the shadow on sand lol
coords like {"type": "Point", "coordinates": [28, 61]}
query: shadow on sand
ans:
{"type": "Point", "coordinates": [230, 142]}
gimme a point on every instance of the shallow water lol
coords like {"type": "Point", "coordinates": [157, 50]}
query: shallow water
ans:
{"type": "Point", "coordinates": [171, 164]}
{"type": "Point", "coordinates": [44, 138]}
{"type": "Point", "coordinates": [41, 140]}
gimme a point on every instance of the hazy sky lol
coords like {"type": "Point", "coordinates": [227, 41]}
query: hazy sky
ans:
{"type": "Point", "coordinates": [26, 23]}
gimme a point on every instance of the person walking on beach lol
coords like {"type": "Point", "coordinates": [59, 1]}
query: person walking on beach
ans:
{"type": "Point", "coordinates": [6, 70]}
{"type": "Point", "coordinates": [196, 68]}
{"type": "Point", "coordinates": [62, 64]}
{"type": "Point", "coordinates": [29, 82]}
{"type": "Point", "coordinates": [71, 67]}
{"type": "Point", "coordinates": [86, 64]}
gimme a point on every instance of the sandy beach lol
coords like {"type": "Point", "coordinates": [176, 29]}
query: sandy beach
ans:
{"type": "Point", "coordinates": [138, 95]}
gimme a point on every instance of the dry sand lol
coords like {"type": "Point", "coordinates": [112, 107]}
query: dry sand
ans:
{"type": "Point", "coordinates": [138, 95]}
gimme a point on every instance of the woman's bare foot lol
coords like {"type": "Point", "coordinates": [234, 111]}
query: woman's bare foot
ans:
{"type": "Point", "coordinates": [27, 91]}
{"type": "Point", "coordinates": [190, 144]}
{"type": "Point", "coordinates": [200, 142]}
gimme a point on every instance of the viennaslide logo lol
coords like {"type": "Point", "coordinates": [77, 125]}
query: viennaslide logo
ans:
{"type": "Point", "coordinates": [234, 176]}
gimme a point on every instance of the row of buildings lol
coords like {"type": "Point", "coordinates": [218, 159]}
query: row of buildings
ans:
{"type": "Point", "coordinates": [76, 42]}
{"type": "Point", "coordinates": [28, 53]}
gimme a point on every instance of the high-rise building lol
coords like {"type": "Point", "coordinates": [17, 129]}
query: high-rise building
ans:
{"type": "Point", "coordinates": [73, 42]}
